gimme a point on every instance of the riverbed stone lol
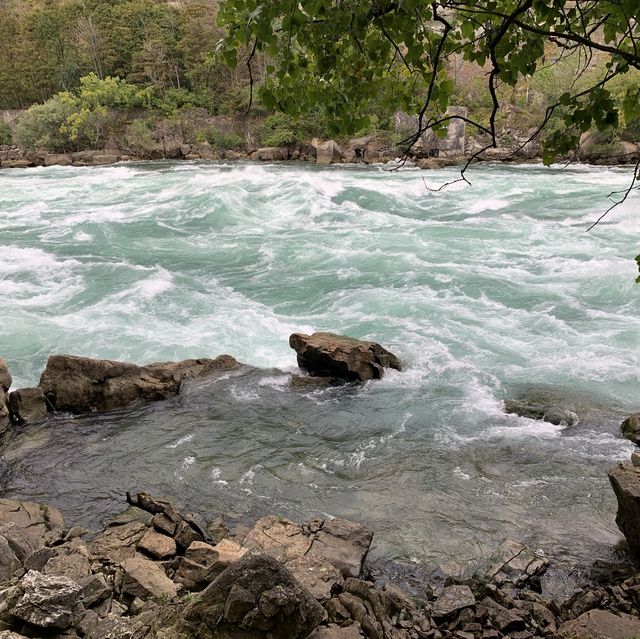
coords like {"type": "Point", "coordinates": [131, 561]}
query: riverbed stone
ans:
{"type": "Point", "coordinates": [157, 545]}
{"type": "Point", "coordinates": [5, 376]}
{"type": "Point", "coordinates": [630, 428]}
{"type": "Point", "coordinates": [144, 578]}
{"type": "Point", "coordinates": [40, 523]}
{"type": "Point", "coordinates": [5, 418]}
{"type": "Point", "coordinates": [317, 576]}
{"type": "Point", "coordinates": [342, 543]}
{"type": "Point", "coordinates": [94, 588]}
{"type": "Point", "coordinates": [601, 624]}
{"type": "Point", "coordinates": [117, 543]}
{"type": "Point", "coordinates": [202, 562]}
{"type": "Point", "coordinates": [452, 599]}
{"type": "Point", "coordinates": [49, 602]}
{"type": "Point", "coordinates": [552, 413]}
{"type": "Point", "coordinates": [84, 385]}
{"type": "Point", "coordinates": [625, 481]}
{"type": "Point", "coordinates": [10, 565]}
{"type": "Point", "coordinates": [339, 356]}
{"type": "Point", "coordinates": [338, 632]}
{"type": "Point", "coordinates": [28, 405]}
{"type": "Point", "coordinates": [258, 595]}
{"type": "Point", "coordinates": [278, 537]}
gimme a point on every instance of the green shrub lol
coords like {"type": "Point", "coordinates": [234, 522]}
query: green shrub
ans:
{"type": "Point", "coordinates": [139, 138]}
{"type": "Point", "coordinates": [5, 134]}
{"type": "Point", "coordinates": [631, 132]}
{"type": "Point", "coordinates": [43, 126]}
{"type": "Point", "coordinates": [222, 140]}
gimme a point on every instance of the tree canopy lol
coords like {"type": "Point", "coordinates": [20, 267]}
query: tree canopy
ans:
{"type": "Point", "coordinates": [343, 55]}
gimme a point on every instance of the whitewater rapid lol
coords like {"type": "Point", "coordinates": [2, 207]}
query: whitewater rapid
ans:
{"type": "Point", "coordinates": [486, 291]}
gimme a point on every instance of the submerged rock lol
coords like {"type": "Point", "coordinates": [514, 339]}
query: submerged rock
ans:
{"type": "Point", "coordinates": [553, 413]}
{"type": "Point", "coordinates": [83, 385]}
{"type": "Point", "coordinates": [630, 428]}
{"type": "Point", "coordinates": [339, 356]}
{"type": "Point", "coordinates": [28, 405]}
{"type": "Point", "coordinates": [625, 480]}
{"type": "Point", "coordinates": [257, 595]}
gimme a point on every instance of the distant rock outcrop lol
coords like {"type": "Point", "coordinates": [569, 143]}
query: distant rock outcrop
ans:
{"type": "Point", "coordinates": [342, 357]}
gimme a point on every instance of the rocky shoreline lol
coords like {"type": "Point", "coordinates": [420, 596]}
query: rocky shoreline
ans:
{"type": "Point", "coordinates": [365, 150]}
{"type": "Point", "coordinates": [157, 570]}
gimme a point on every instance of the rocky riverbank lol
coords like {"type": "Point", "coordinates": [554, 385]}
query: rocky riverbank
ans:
{"type": "Point", "coordinates": [370, 149]}
{"type": "Point", "coordinates": [159, 571]}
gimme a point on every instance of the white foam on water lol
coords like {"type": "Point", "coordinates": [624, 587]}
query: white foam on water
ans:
{"type": "Point", "coordinates": [180, 441]}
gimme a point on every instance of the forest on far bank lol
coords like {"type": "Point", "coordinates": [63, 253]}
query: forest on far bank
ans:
{"type": "Point", "coordinates": [131, 72]}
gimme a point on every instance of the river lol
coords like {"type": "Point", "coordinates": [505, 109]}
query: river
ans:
{"type": "Point", "coordinates": [486, 291]}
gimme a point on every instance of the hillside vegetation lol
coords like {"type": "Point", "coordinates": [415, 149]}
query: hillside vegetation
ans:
{"type": "Point", "coordinates": [133, 74]}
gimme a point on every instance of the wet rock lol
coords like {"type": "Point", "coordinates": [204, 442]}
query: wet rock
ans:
{"type": "Point", "coordinates": [5, 376]}
{"type": "Point", "coordinates": [452, 599]}
{"type": "Point", "coordinates": [635, 459]}
{"type": "Point", "coordinates": [261, 591]}
{"type": "Point", "coordinates": [144, 579]}
{"type": "Point", "coordinates": [552, 413]}
{"type": "Point", "coordinates": [8, 634]}
{"type": "Point", "coordinates": [83, 385]}
{"type": "Point", "coordinates": [328, 153]}
{"type": "Point", "coordinates": [5, 419]}
{"type": "Point", "coordinates": [513, 562]}
{"type": "Point", "coordinates": [28, 405]}
{"type": "Point", "coordinates": [630, 428]}
{"type": "Point", "coordinates": [309, 382]}
{"type": "Point", "coordinates": [601, 624]}
{"type": "Point", "coordinates": [342, 543]}
{"type": "Point", "coordinates": [49, 602]}
{"type": "Point", "coordinates": [625, 480]}
{"type": "Point", "coordinates": [330, 355]}
{"type": "Point", "coordinates": [157, 545]}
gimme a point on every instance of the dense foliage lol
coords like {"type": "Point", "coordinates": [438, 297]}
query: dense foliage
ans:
{"type": "Point", "coordinates": [403, 54]}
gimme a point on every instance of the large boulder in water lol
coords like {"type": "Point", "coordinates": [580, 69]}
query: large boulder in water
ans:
{"type": "Point", "coordinates": [625, 480]}
{"type": "Point", "coordinates": [630, 428]}
{"type": "Point", "coordinates": [257, 596]}
{"type": "Point", "coordinates": [84, 385]}
{"type": "Point", "coordinates": [28, 405]}
{"type": "Point", "coordinates": [5, 376]}
{"type": "Point", "coordinates": [330, 355]}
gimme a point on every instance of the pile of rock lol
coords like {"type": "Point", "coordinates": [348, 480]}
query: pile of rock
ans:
{"type": "Point", "coordinates": [160, 572]}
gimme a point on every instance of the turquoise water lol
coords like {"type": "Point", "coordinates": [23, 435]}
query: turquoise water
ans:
{"type": "Point", "coordinates": [486, 291]}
